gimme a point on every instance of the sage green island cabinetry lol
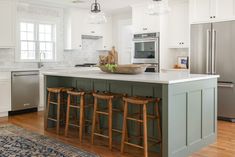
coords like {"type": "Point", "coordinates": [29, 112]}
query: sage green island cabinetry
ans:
{"type": "Point", "coordinates": [188, 103]}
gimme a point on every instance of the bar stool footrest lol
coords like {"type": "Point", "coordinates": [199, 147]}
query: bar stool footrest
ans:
{"type": "Point", "coordinates": [134, 145]}
{"type": "Point", "coordinates": [100, 135]}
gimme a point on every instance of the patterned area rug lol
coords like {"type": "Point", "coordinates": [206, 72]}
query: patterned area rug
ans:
{"type": "Point", "coordinates": [18, 142]}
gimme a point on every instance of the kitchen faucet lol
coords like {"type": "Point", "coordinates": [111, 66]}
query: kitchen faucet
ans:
{"type": "Point", "coordinates": [40, 64]}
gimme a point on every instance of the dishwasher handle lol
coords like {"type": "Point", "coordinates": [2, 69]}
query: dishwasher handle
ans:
{"type": "Point", "coordinates": [18, 75]}
{"type": "Point", "coordinates": [226, 84]}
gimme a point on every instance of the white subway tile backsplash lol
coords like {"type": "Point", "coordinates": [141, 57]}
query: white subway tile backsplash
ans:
{"type": "Point", "coordinates": [88, 54]}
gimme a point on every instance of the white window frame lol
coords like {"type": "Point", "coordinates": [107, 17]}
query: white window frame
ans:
{"type": "Point", "coordinates": [37, 42]}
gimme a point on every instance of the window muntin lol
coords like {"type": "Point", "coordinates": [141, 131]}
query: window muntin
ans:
{"type": "Point", "coordinates": [37, 41]}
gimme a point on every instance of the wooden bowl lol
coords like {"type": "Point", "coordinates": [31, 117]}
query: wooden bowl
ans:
{"type": "Point", "coordinates": [126, 69]}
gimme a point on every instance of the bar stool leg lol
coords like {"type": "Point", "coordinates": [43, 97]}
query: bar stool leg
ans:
{"type": "Point", "coordinates": [159, 125]}
{"type": "Point", "coordinates": [110, 123]}
{"type": "Point", "coordinates": [58, 115]}
{"type": "Point", "coordinates": [145, 131]}
{"type": "Point", "coordinates": [124, 129]}
{"type": "Point", "coordinates": [93, 121]}
{"type": "Point", "coordinates": [81, 118]}
{"type": "Point", "coordinates": [98, 122]}
{"type": "Point", "coordinates": [67, 115]}
{"type": "Point", "coordinates": [47, 109]}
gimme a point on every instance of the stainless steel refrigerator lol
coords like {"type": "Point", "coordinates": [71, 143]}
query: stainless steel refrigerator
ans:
{"type": "Point", "coordinates": [213, 52]}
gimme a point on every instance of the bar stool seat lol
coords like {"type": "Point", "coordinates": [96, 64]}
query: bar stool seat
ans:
{"type": "Point", "coordinates": [143, 102]}
{"type": "Point", "coordinates": [56, 96]}
{"type": "Point", "coordinates": [73, 103]}
{"type": "Point", "coordinates": [108, 97]}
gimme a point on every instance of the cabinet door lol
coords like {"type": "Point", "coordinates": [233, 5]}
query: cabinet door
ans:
{"type": "Point", "coordinates": [92, 29]}
{"type": "Point", "coordinates": [7, 27]}
{"type": "Point", "coordinates": [179, 25]}
{"type": "Point", "coordinates": [107, 35]}
{"type": "Point", "coordinates": [137, 17]}
{"type": "Point", "coordinates": [77, 26]}
{"type": "Point", "coordinates": [5, 96]}
{"type": "Point", "coordinates": [73, 29]}
{"type": "Point", "coordinates": [201, 11]}
{"type": "Point", "coordinates": [151, 23]}
{"type": "Point", "coordinates": [144, 23]}
{"type": "Point", "coordinates": [41, 95]}
{"type": "Point", "coordinates": [224, 9]}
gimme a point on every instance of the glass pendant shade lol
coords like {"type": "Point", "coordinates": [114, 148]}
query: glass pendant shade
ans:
{"type": "Point", "coordinates": [96, 15]}
{"type": "Point", "coordinates": [158, 7]}
{"type": "Point", "coordinates": [97, 18]}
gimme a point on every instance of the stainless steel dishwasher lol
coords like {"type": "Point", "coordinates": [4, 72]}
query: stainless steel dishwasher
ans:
{"type": "Point", "coordinates": [25, 90]}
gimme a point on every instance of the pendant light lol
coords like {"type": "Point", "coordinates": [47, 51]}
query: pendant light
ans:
{"type": "Point", "coordinates": [96, 15]}
{"type": "Point", "coordinates": [158, 7]}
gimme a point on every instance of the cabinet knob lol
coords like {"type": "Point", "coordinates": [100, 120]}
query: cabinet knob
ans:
{"type": "Point", "coordinates": [80, 45]}
{"type": "Point", "coordinates": [213, 16]}
{"type": "Point", "coordinates": [145, 29]}
{"type": "Point", "coordinates": [92, 32]}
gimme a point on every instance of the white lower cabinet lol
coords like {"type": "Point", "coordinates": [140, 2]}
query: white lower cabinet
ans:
{"type": "Point", "coordinates": [41, 93]}
{"type": "Point", "coordinates": [5, 93]}
{"type": "Point", "coordinates": [5, 96]}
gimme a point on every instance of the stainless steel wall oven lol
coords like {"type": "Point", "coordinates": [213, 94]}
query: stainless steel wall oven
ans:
{"type": "Point", "coordinates": [146, 48]}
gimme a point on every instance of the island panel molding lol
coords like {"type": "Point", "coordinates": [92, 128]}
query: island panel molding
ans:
{"type": "Point", "coordinates": [192, 116]}
{"type": "Point", "coordinates": [188, 109]}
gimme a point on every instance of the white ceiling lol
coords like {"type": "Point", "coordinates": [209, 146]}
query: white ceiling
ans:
{"type": "Point", "coordinates": [107, 5]}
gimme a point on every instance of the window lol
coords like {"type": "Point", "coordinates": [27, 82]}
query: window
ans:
{"type": "Point", "coordinates": [37, 41]}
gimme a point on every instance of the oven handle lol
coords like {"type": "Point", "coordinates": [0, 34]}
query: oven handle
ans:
{"type": "Point", "coordinates": [18, 75]}
{"type": "Point", "coordinates": [146, 40]}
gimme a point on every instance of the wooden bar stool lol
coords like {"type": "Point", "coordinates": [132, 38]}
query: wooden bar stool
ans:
{"type": "Point", "coordinates": [57, 97]}
{"type": "Point", "coordinates": [108, 97]}
{"type": "Point", "coordinates": [143, 102]}
{"type": "Point", "coordinates": [76, 100]}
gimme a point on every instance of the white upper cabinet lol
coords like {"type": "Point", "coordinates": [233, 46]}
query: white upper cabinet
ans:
{"type": "Point", "coordinates": [142, 22]}
{"type": "Point", "coordinates": [73, 29]}
{"type": "Point", "coordinates": [179, 25]}
{"type": "Point", "coordinates": [224, 9]}
{"type": "Point", "coordinates": [7, 26]}
{"type": "Point", "coordinates": [76, 25]}
{"type": "Point", "coordinates": [202, 11]}
{"type": "Point", "coordinates": [107, 34]}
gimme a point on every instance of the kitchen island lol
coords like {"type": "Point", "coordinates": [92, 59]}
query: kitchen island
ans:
{"type": "Point", "coordinates": [188, 102]}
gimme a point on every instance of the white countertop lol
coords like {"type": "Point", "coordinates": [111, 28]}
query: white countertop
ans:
{"type": "Point", "coordinates": [95, 73]}
{"type": "Point", "coordinates": [11, 69]}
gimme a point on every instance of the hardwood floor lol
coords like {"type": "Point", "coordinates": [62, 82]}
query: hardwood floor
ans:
{"type": "Point", "coordinates": [34, 122]}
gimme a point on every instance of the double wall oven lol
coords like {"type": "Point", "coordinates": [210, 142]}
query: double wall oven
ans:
{"type": "Point", "coordinates": [146, 48]}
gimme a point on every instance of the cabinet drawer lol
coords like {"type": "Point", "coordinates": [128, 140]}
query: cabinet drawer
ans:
{"type": "Point", "coordinates": [5, 76]}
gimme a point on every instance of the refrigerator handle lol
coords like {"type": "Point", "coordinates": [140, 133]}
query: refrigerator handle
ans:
{"type": "Point", "coordinates": [207, 50]}
{"type": "Point", "coordinates": [213, 51]}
